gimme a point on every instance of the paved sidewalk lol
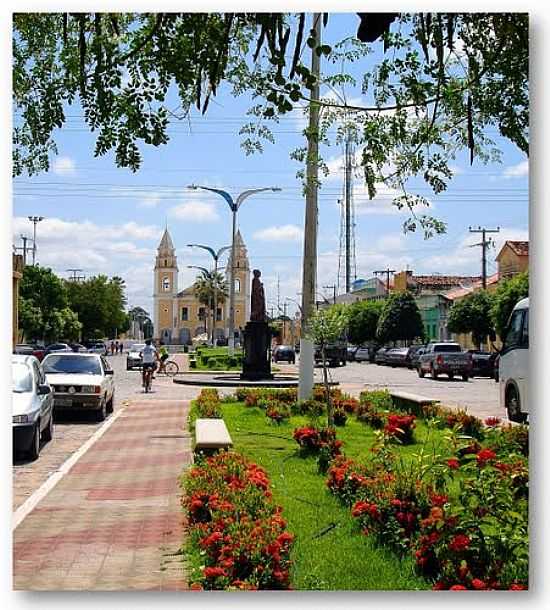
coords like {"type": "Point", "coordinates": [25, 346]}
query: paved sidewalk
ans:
{"type": "Point", "coordinates": [114, 522]}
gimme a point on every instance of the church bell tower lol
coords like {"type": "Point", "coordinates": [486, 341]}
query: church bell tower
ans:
{"type": "Point", "coordinates": [165, 290]}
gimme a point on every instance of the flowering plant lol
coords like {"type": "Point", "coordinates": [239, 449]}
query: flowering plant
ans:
{"type": "Point", "coordinates": [400, 427]}
{"type": "Point", "coordinates": [277, 412]}
{"type": "Point", "coordinates": [339, 416]}
{"type": "Point", "coordinates": [368, 414]}
{"type": "Point", "coordinates": [235, 524]}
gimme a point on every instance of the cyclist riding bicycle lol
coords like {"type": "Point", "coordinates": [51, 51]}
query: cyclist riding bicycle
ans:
{"type": "Point", "coordinates": [163, 353]}
{"type": "Point", "coordinates": [149, 357]}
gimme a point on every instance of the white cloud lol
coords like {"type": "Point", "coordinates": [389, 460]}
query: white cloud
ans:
{"type": "Point", "coordinates": [281, 233]}
{"type": "Point", "coordinates": [195, 211]}
{"type": "Point", "coordinates": [64, 166]}
{"type": "Point", "coordinates": [150, 200]}
{"type": "Point", "coordinates": [516, 171]}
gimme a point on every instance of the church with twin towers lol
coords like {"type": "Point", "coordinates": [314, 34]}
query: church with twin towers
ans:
{"type": "Point", "coordinates": [178, 315]}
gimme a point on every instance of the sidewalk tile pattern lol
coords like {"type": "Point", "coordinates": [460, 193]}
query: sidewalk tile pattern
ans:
{"type": "Point", "coordinates": [114, 522]}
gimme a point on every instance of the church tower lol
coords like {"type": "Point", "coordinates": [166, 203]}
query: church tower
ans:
{"type": "Point", "coordinates": [242, 284]}
{"type": "Point", "coordinates": [166, 290]}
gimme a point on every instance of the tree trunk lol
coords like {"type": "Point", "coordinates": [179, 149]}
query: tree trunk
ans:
{"type": "Point", "coordinates": [330, 417]}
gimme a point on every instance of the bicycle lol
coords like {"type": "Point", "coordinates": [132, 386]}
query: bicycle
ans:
{"type": "Point", "coordinates": [147, 378]}
{"type": "Point", "coordinates": [169, 368]}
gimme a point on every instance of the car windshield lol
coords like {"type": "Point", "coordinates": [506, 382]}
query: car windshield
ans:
{"type": "Point", "coordinates": [61, 363]}
{"type": "Point", "coordinates": [448, 348]}
{"type": "Point", "coordinates": [21, 377]}
{"type": "Point", "coordinates": [138, 347]}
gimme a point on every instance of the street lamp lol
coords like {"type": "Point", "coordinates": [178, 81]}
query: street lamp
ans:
{"type": "Point", "coordinates": [216, 257]}
{"type": "Point", "coordinates": [35, 220]}
{"type": "Point", "coordinates": [206, 273]}
{"type": "Point", "coordinates": [234, 205]}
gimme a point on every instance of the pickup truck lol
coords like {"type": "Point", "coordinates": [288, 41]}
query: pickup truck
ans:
{"type": "Point", "coordinates": [446, 358]}
{"type": "Point", "coordinates": [335, 353]}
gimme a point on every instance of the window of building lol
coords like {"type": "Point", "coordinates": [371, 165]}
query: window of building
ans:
{"type": "Point", "coordinates": [185, 314]}
{"type": "Point", "coordinates": [166, 284]}
{"type": "Point", "coordinates": [218, 314]}
{"type": "Point", "coordinates": [201, 313]}
{"type": "Point", "coordinates": [237, 285]}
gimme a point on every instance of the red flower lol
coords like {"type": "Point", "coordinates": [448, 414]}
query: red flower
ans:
{"type": "Point", "coordinates": [484, 456]}
{"type": "Point", "coordinates": [214, 572]}
{"type": "Point", "coordinates": [459, 543]}
{"type": "Point", "coordinates": [439, 586]}
{"type": "Point", "coordinates": [492, 422]}
{"type": "Point", "coordinates": [453, 463]}
{"type": "Point", "coordinates": [458, 588]}
{"type": "Point", "coordinates": [516, 586]}
{"type": "Point", "coordinates": [478, 584]}
{"type": "Point", "coordinates": [439, 499]}
{"type": "Point", "coordinates": [196, 586]}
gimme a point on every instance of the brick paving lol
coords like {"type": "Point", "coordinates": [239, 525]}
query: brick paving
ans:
{"type": "Point", "coordinates": [114, 522]}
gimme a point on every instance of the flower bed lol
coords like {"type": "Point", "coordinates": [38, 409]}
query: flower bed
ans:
{"type": "Point", "coordinates": [208, 404]}
{"type": "Point", "coordinates": [236, 525]}
{"type": "Point", "coordinates": [473, 538]}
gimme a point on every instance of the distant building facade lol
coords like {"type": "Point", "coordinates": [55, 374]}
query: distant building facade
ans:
{"type": "Point", "coordinates": [513, 258]}
{"type": "Point", "coordinates": [178, 315]}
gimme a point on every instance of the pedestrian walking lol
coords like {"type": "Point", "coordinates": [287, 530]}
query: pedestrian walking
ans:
{"type": "Point", "coordinates": [121, 346]}
{"type": "Point", "coordinates": [116, 346]}
{"type": "Point", "coordinates": [112, 347]}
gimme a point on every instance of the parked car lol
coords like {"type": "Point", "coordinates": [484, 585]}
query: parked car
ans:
{"type": "Point", "coordinates": [78, 348]}
{"type": "Point", "coordinates": [81, 382]}
{"type": "Point", "coordinates": [336, 354]}
{"type": "Point", "coordinates": [397, 356]}
{"type": "Point", "coordinates": [32, 405]}
{"type": "Point", "coordinates": [483, 363]}
{"type": "Point", "coordinates": [513, 364]}
{"type": "Point", "coordinates": [57, 347]}
{"type": "Point", "coordinates": [447, 358]}
{"type": "Point", "coordinates": [24, 349]}
{"type": "Point", "coordinates": [496, 367]}
{"type": "Point", "coordinates": [413, 355]}
{"type": "Point", "coordinates": [284, 352]}
{"type": "Point", "coordinates": [363, 354]}
{"type": "Point", "coordinates": [97, 347]}
{"type": "Point", "coordinates": [133, 359]}
{"type": "Point", "coordinates": [351, 351]}
{"type": "Point", "coordinates": [380, 356]}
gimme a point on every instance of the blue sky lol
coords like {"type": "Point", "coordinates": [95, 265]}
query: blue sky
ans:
{"type": "Point", "coordinates": [107, 220]}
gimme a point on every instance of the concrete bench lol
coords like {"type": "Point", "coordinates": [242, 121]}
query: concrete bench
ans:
{"type": "Point", "coordinates": [412, 402]}
{"type": "Point", "coordinates": [211, 434]}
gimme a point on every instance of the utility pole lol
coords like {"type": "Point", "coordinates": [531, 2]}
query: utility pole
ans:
{"type": "Point", "coordinates": [333, 286]}
{"type": "Point", "coordinates": [35, 220]}
{"type": "Point", "coordinates": [75, 277]}
{"type": "Point", "coordinates": [24, 248]}
{"type": "Point", "coordinates": [278, 292]}
{"type": "Point", "coordinates": [348, 211]}
{"type": "Point", "coordinates": [309, 269]}
{"type": "Point", "coordinates": [386, 272]}
{"type": "Point", "coordinates": [484, 243]}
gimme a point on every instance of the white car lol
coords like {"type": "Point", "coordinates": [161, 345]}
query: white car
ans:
{"type": "Point", "coordinates": [513, 364]}
{"type": "Point", "coordinates": [32, 405]}
{"type": "Point", "coordinates": [133, 359]}
{"type": "Point", "coordinates": [81, 382]}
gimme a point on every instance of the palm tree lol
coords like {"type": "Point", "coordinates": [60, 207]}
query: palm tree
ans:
{"type": "Point", "coordinates": [211, 287]}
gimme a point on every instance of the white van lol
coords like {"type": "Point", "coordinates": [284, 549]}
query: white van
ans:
{"type": "Point", "coordinates": [513, 363]}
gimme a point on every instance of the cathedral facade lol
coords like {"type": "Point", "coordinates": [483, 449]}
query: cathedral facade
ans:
{"type": "Point", "coordinates": [178, 314]}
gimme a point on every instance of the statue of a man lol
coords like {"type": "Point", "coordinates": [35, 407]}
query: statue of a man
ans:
{"type": "Point", "coordinates": [257, 299]}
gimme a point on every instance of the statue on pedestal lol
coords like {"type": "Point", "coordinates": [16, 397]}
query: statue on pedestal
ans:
{"type": "Point", "coordinates": [257, 337]}
{"type": "Point", "coordinates": [257, 298]}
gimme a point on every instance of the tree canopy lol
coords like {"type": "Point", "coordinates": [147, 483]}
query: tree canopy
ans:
{"type": "Point", "coordinates": [363, 319]}
{"type": "Point", "coordinates": [400, 319]}
{"type": "Point", "coordinates": [44, 313]}
{"type": "Point", "coordinates": [444, 81]}
{"type": "Point", "coordinates": [505, 298]}
{"type": "Point", "coordinates": [472, 314]}
{"type": "Point", "coordinates": [99, 303]}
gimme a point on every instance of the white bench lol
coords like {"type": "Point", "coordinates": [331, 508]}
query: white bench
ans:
{"type": "Point", "coordinates": [211, 434]}
{"type": "Point", "coordinates": [414, 402]}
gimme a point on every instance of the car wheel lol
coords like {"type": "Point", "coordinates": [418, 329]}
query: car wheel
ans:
{"type": "Point", "coordinates": [451, 376]}
{"type": "Point", "coordinates": [34, 450]}
{"type": "Point", "coordinates": [513, 406]}
{"type": "Point", "coordinates": [101, 413]}
{"type": "Point", "coordinates": [47, 435]}
{"type": "Point", "coordinates": [465, 377]}
{"type": "Point", "coordinates": [420, 372]}
{"type": "Point", "coordinates": [111, 404]}
{"type": "Point", "coordinates": [434, 374]}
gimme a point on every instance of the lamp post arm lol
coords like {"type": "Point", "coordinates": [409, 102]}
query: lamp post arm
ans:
{"type": "Point", "coordinates": [246, 194]}
{"type": "Point", "coordinates": [207, 248]}
{"type": "Point", "coordinates": [224, 194]}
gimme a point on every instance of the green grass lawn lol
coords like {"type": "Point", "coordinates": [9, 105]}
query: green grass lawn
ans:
{"type": "Point", "coordinates": [329, 551]}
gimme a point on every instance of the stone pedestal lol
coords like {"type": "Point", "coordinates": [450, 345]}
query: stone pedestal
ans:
{"type": "Point", "coordinates": [256, 362]}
